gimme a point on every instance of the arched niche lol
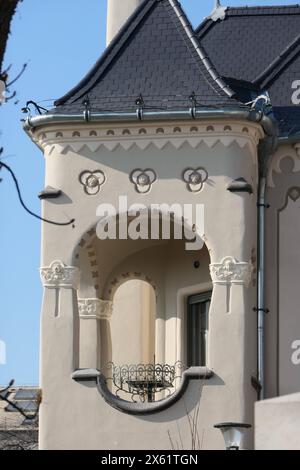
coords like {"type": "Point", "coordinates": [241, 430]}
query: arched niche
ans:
{"type": "Point", "coordinates": [148, 282]}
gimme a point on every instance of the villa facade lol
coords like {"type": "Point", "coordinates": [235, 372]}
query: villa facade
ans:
{"type": "Point", "coordinates": [150, 328]}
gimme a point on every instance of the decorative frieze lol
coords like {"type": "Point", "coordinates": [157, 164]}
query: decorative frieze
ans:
{"type": "Point", "coordinates": [103, 137]}
{"type": "Point", "coordinates": [60, 275]}
{"type": "Point", "coordinates": [231, 271]}
{"type": "Point", "coordinates": [96, 309]}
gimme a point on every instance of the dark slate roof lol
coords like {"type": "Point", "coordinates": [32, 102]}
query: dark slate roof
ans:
{"type": "Point", "coordinates": [7, 10]}
{"type": "Point", "coordinates": [156, 55]}
{"type": "Point", "coordinates": [289, 120]}
{"type": "Point", "coordinates": [253, 37]}
{"type": "Point", "coordinates": [258, 46]}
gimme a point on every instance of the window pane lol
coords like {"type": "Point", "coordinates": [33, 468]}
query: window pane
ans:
{"type": "Point", "coordinates": [197, 329]}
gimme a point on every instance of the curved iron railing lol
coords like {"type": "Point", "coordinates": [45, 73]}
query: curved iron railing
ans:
{"type": "Point", "coordinates": [143, 382]}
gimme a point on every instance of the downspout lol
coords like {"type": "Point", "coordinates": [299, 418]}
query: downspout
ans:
{"type": "Point", "coordinates": [265, 152]}
{"type": "Point", "coordinates": [261, 309]}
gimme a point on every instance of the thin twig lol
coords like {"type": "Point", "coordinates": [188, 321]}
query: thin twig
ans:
{"type": "Point", "coordinates": [30, 416]}
{"type": "Point", "coordinates": [171, 440]}
{"type": "Point", "coordinates": [4, 165]}
{"type": "Point", "coordinates": [181, 442]}
{"type": "Point", "coordinates": [18, 76]}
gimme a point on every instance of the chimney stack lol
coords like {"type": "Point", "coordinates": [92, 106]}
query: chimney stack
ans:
{"type": "Point", "coordinates": [118, 11]}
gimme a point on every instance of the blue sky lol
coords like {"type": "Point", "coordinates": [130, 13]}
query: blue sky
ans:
{"type": "Point", "coordinates": [60, 40]}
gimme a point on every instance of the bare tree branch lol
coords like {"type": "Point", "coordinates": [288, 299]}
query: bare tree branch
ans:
{"type": "Point", "coordinates": [29, 416]}
{"type": "Point", "coordinates": [7, 11]}
{"type": "Point", "coordinates": [16, 436]}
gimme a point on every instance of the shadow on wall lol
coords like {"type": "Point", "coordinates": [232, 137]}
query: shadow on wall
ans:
{"type": "Point", "coordinates": [188, 405]}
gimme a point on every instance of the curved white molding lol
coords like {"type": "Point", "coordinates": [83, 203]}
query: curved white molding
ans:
{"type": "Point", "coordinates": [95, 309]}
{"type": "Point", "coordinates": [94, 375]}
{"type": "Point", "coordinates": [60, 275]}
{"type": "Point", "coordinates": [231, 271]}
{"type": "Point", "coordinates": [292, 152]}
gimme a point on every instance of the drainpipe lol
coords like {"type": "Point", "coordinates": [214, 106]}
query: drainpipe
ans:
{"type": "Point", "coordinates": [261, 310]}
{"type": "Point", "coordinates": [265, 151]}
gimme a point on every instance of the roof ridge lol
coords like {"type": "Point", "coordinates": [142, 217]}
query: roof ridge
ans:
{"type": "Point", "coordinates": [247, 10]}
{"type": "Point", "coordinates": [263, 7]}
{"type": "Point", "coordinates": [191, 34]}
{"type": "Point", "coordinates": [277, 62]}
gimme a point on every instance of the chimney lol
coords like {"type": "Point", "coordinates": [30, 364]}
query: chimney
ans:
{"type": "Point", "coordinates": [118, 11]}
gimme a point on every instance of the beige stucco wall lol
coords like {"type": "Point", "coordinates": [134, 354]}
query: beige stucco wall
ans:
{"type": "Point", "coordinates": [227, 151]}
{"type": "Point", "coordinates": [277, 423]}
{"type": "Point", "coordinates": [133, 324]}
{"type": "Point", "coordinates": [282, 275]}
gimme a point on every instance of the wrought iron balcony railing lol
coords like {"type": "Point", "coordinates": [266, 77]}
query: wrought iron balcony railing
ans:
{"type": "Point", "coordinates": [143, 382]}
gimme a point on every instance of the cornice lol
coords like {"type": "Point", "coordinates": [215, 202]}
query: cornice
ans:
{"type": "Point", "coordinates": [76, 138]}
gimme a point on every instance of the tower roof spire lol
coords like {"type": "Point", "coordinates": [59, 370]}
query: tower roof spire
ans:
{"type": "Point", "coordinates": [173, 62]}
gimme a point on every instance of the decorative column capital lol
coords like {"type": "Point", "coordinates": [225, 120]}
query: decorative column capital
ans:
{"type": "Point", "coordinates": [230, 271]}
{"type": "Point", "coordinates": [60, 275]}
{"type": "Point", "coordinates": [95, 309]}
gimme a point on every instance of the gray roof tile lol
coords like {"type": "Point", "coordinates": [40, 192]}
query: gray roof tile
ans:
{"type": "Point", "coordinates": [259, 45]}
{"type": "Point", "coordinates": [289, 120]}
{"type": "Point", "coordinates": [152, 56]}
{"type": "Point", "coordinates": [252, 38]}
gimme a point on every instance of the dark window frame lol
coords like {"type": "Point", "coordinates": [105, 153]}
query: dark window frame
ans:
{"type": "Point", "coordinates": [197, 326]}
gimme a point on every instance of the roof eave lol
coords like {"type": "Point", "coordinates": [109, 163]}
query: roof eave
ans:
{"type": "Point", "coordinates": [233, 113]}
